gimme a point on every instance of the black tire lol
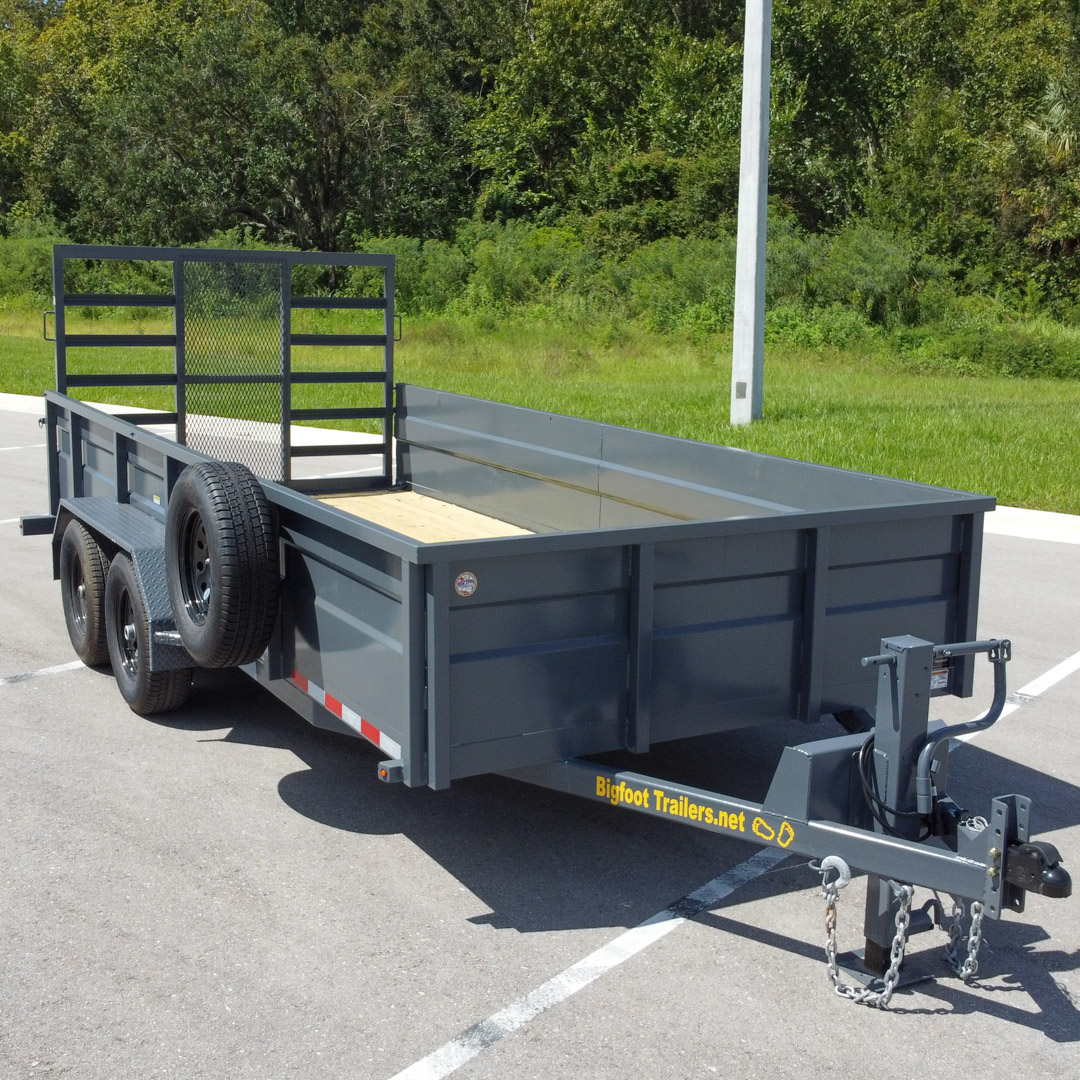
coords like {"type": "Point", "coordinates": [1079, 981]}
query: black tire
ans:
{"type": "Point", "coordinates": [127, 628]}
{"type": "Point", "coordinates": [221, 561]}
{"type": "Point", "coordinates": [83, 569]}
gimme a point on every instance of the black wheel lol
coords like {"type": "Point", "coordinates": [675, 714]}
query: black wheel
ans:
{"type": "Point", "coordinates": [127, 628]}
{"type": "Point", "coordinates": [83, 568]}
{"type": "Point", "coordinates": [221, 564]}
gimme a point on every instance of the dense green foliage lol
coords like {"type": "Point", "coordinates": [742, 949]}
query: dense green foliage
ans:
{"type": "Point", "coordinates": [860, 292]}
{"type": "Point", "coordinates": [950, 129]}
{"type": "Point", "coordinates": [575, 162]}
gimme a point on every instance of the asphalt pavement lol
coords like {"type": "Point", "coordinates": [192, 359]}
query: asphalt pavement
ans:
{"type": "Point", "coordinates": [226, 892]}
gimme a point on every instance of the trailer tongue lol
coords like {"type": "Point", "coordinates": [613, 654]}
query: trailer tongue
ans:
{"type": "Point", "coordinates": [516, 592]}
{"type": "Point", "coordinates": [848, 796]}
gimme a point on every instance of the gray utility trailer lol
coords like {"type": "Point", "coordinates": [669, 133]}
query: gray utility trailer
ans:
{"type": "Point", "coordinates": [484, 588]}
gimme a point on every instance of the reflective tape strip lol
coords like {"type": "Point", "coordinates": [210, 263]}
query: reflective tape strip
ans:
{"type": "Point", "coordinates": [368, 730]}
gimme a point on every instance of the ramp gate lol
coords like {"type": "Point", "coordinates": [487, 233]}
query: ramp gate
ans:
{"type": "Point", "coordinates": [232, 344]}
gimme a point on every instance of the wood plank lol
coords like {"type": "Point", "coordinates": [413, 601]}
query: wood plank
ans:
{"type": "Point", "coordinates": [421, 517]}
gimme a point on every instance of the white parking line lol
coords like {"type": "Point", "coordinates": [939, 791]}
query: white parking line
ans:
{"type": "Point", "coordinates": [334, 475]}
{"type": "Point", "coordinates": [567, 983]}
{"type": "Point", "coordinates": [1033, 689]}
{"type": "Point", "coordinates": [56, 669]}
{"type": "Point", "coordinates": [1034, 525]}
{"type": "Point", "coordinates": [1051, 678]}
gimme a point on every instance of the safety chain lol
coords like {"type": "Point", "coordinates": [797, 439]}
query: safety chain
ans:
{"type": "Point", "coordinates": [970, 965]}
{"type": "Point", "coordinates": [830, 889]}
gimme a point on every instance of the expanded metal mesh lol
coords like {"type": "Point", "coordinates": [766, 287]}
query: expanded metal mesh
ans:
{"type": "Point", "coordinates": [233, 335]}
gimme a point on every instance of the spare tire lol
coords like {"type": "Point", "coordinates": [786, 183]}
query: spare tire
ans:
{"type": "Point", "coordinates": [221, 561]}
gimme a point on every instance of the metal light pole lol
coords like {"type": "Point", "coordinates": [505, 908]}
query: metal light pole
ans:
{"type": "Point", "coordinates": [748, 351]}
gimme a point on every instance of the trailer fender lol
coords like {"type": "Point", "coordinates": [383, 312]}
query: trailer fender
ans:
{"type": "Point", "coordinates": [221, 557]}
{"type": "Point", "coordinates": [127, 630]}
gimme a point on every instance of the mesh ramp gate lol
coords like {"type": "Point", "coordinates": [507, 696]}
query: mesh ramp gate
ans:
{"type": "Point", "coordinates": [234, 364]}
{"type": "Point", "coordinates": [232, 344]}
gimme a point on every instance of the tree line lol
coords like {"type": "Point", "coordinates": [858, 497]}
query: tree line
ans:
{"type": "Point", "coordinates": [947, 130]}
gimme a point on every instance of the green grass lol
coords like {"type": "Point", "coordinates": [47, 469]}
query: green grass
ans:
{"type": "Point", "coordinates": [1015, 438]}
{"type": "Point", "coordinates": [1012, 438]}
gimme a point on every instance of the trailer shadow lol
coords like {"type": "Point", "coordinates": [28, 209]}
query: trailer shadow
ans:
{"type": "Point", "coordinates": [541, 860]}
{"type": "Point", "coordinates": [1016, 980]}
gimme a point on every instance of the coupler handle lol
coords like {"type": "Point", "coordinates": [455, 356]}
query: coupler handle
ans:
{"type": "Point", "coordinates": [999, 653]}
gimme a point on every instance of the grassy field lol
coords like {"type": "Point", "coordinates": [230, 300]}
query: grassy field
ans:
{"type": "Point", "coordinates": [1009, 437]}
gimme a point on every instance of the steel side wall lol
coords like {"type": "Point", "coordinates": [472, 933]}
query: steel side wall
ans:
{"type": "Point", "coordinates": [536, 662]}
{"type": "Point", "coordinates": [578, 642]}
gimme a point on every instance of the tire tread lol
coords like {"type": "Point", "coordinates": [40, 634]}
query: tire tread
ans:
{"type": "Point", "coordinates": [93, 649]}
{"type": "Point", "coordinates": [243, 608]}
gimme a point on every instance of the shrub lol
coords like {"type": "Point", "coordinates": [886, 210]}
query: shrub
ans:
{"type": "Point", "coordinates": [870, 271]}
{"type": "Point", "coordinates": [663, 281]}
{"type": "Point", "coordinates": [26, 257]}
{"type": "Point", "coordinates": [516, 264]}
{"type": "Point", "coordinates": [815, 328]}
{"type": "Point", "coordinates": [1025, 350]}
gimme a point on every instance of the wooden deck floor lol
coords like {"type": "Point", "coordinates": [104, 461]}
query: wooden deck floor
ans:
{"type": "Point", "coordinates": [421, 517]}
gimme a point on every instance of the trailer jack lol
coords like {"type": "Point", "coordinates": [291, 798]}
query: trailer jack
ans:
{"type": "Point", "coordinates": [874, 803]}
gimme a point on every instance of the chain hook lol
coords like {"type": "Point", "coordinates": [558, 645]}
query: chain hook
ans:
{"type": "Point", "coordinates": [843, 873]}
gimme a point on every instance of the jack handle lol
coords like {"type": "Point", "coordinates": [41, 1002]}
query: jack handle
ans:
{"type": "Point", "coordinates": [999, 654]}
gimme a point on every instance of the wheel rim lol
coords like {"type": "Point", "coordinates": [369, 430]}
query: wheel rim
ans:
{"type": "Point", "coordinates": [127, 635]}
{"type": "Point", "coordinates": [194, 568]}
{"type": "Point", "coordinates": [77, 590]}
